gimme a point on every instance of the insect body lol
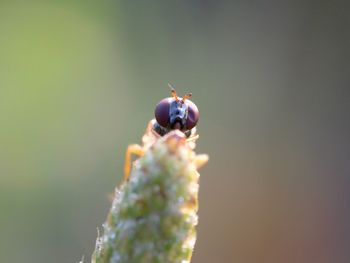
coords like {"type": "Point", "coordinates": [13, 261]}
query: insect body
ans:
{"type": "Point", "coordinates": [171, 114]}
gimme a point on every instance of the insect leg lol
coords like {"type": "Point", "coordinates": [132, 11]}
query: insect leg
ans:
{"type": "Point", "coordinates": [200, 160]}
{"type": "Point", "coordinates": [132, 149]}
{"type": "Point", "coordinates": [192, 138]}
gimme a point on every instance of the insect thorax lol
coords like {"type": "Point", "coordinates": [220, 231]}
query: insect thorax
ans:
{"type": "Point", "coordinates": [162, 131]}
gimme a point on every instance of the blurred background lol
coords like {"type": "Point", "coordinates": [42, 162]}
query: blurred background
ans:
{"type": "Point", "coordinates": [79, 82]}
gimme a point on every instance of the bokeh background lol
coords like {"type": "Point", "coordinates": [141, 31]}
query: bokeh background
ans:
{"type": "Point", "coordinates": [79, 81]}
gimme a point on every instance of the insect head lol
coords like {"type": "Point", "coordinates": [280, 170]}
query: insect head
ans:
{"type": "Point", "coordinates": [176, 113]}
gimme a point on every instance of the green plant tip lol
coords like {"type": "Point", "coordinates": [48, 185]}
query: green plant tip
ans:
{"type": "Point", "coordinates": [154, 214]}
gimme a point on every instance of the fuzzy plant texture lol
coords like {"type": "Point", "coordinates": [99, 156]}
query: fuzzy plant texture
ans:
{"type": "Point", "coordinates": [153, 215]}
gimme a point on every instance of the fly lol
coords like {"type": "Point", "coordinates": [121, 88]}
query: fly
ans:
{"type": "Point", "coordinates": [171, 114]}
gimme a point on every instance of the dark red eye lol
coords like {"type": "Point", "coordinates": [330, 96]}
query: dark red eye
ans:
{"type": "Point", "coordinates": [162, 112]}
{"type": "Point", "coordinates": [193, 115]}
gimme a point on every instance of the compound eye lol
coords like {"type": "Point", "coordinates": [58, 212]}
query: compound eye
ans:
{"type": "Point", "coordinates": [162, 112]}
{"type": "Point", "coordinates": [193, 115]}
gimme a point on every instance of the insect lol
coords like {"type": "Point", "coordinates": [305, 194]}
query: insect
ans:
{"type": "Point", "coordinates": [172, 113]}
